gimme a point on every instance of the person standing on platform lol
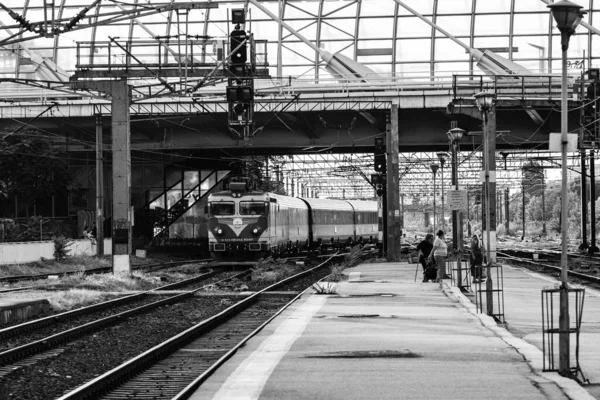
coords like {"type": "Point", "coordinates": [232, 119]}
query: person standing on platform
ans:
{"type": "Point", "coordinates": [476, 259]}
{"type": "Point", "coordinates": [439, 253]}
{"type": "Point", "coordinates": [424, 249]}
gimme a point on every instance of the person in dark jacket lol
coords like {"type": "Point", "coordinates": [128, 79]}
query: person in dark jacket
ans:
{"type": "Point", "coordinates": [424, 249]}
{"type": "Point", "coordinates": [476, 259]}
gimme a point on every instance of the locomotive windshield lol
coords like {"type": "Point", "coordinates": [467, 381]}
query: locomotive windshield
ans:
{"type": "Point", "coordinates": [222, 208]}
{"type": "Point", "coordinates": [252, 208]}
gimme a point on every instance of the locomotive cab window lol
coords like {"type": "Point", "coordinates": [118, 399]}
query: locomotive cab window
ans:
{"type": "Point", "coordinates": [217, 209]}
{"type": "Point", "coordinates": [252, 208]}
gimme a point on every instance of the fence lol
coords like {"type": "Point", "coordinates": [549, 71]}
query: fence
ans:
{"type": "Point", "coordinates": [25, 252]}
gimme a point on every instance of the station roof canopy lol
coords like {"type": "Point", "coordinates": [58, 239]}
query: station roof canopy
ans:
{"type": "Point", "coordinates": [386, 36]}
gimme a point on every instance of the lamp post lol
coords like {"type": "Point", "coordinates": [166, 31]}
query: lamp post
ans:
{"type": "Point", "coordinates": [485, 102]}
{"type": "Point", "coordinates": [567, 15]}
{"type": "Point", "coordinates": [434, 169]}
{"type": "Point", "coordinates": [442, 156]}
{"type": "Point", "coordinates": [455, 135]}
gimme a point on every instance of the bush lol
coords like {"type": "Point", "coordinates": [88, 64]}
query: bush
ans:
{"type": "Point", "coordinates": [61, 244]}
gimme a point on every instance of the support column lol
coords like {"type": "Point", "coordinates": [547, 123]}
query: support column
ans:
{"type": "Point", "coordinates": [506, 209]}
{"type": "Point", "coordinates": [490, 196]}
{"type": "Point", "coordinates": [593, 247]}
{"type": "Point", "coordinates": [584, 206]}
{"type": "Point", "coordinates": [489, 212]}
{"type": "Point", "coordinates": [121, 176]}
{"type": "Point", "coordinates": [392, 194]}
{"type": "Point", "coordinates": [99, 188]}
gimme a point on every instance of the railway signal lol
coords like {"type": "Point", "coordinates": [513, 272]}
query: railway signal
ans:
{"type": "Point", "coordinates": [238, 44]}
{"type": "Point", "coordinates": [380, 164]}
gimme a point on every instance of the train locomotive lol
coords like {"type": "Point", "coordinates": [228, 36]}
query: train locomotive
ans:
{"type": "Point", "coordinates": [245, 225]}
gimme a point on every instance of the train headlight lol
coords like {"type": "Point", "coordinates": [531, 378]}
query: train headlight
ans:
{"type": "Point", "coordinates": [255, 231]}
{"type": "Point", "coordinates": [219, 231]}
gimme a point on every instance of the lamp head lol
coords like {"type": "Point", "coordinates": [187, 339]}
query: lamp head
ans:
{"type": "Point", "coordinates": [484, 100]}
{"type": "Point", "coordinates": [455, 134]}
{"type": "Point", "coordinates": [442, 156]}
{"type": "Point", "coordinates": [567, 15]}
{"type": "Point", "coordinates": [434, 168]}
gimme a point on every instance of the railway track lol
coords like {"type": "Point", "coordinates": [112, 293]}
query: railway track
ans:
{"type": "Point", "coordinates": [145, 268]}
{"type": "Point", "coordinates": [585, 278]}
{"type": "Point", "coordinates": [31, 341]}
{"type": "Point", "coordinates": [177, 366]}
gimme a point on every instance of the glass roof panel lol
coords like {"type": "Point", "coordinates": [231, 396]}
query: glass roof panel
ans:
{"type": "Point", "coordinates": [496, 6]}
{"type": "Point", "coordinates": [454, 7]}
{"type": "Point", "coordinates": [413, 50]}
{"type": "Point", "coordinates": [377, 8]}
{"type": "Point", "coordinates": [492, 24]}
{"type": "Point", "coordinates": [382, 30]}
{"type": "Point", "coordinates": [457, 25]}
{"type": "Point", "coordinates": [421, 6]}
{"type": "Point", "coordinates": [413, 27]}
{"type": "Point", "coordinates": [336, 29]}
{"type": "Point", "coordinates": [342, 9]}
{"type": "Point", "coordinates": [531, 23]}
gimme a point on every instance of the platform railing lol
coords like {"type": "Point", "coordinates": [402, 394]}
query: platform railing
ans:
{"type": "Point", "coordinates": [551, 329]}
{"type": "Point", "coordinates": [516, 87]}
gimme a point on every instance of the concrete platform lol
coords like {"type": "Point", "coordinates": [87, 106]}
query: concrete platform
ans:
{"type": "Point", "coordinates": [384, 336]}
{"type": "Point", "coordinates": [21, 310]}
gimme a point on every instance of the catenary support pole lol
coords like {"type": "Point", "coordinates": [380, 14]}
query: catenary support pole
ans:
{"type": "Point", "coordinates": [392, 194]}
{"type": "Point", "coordinates": [99, 188]}
{"type": "Point", "coordinates": [593, 247]}
{"type": "Point", "coordinates": [584, 203]}
{"type": "Point", "coordinates": [506, 209]}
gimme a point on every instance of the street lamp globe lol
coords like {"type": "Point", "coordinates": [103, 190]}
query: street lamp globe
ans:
{"type": "Point", "coordinates": [567, 15]}
{"type": "Point", "coordinates": [484, 100]}
{"type": "Point", "coordinates": [434, 168]}
{"type": "Point", "coordinates": [442, 156]}
{"type": "Point", "coordinates": [455, 134]}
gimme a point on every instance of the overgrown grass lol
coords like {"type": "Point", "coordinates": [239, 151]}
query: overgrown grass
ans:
{"type": "Point", "coordinates": [353, 258]}
{"type": "Point", "coordinates": [76, 298]}
{"type": "Point", "coordinates": [272, 270]}
{"type": "Point", "coordinates": [44, 266]}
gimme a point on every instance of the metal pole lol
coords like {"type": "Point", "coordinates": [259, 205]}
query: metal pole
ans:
{"type": "Point", "coordinates": [564, 336]}
{"type": "Point", "coordinates": [543, 204]}
{"type": "Point", "coordinates": [434, 216]}
{"type": "Point", "coordinates": [99, 189]}
{"type": "Point", "coordinates": [443, 208]}
{"type": "Point", "coordinates": [593, 247]}
{"type": "Point", "coordinates": [523, 210]}
{"type": "Point", "coordinates": [488, 283]}
{"type": "Point", "coordinates": [456, 217]}
{"type": "Point", "coordinates": [506, 209]}
{"type": "Point", "coordinates": [584, 203]}
{"type": "Point", "coordinates": [468, 214]}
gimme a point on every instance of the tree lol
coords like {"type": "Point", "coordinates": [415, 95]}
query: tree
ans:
{"type": "Point", "coordinates": [31, 167]}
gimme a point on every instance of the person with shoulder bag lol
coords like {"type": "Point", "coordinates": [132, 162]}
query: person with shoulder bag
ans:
{"type": "Point", "coordinates": [439, 253]}
{"type": "Point", "coordinates": [476, 259]}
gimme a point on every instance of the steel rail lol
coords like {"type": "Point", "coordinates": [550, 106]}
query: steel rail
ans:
{"type": "Point", "coordinates": [122, 373]}
{"type": "Point", "coordinates": [68, 315]}
{"type": "Point", "coordinates": [558, 269]}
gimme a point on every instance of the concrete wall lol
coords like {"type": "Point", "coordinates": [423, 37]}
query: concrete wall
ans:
{"type": "Point", "coordinates": [24, 252]}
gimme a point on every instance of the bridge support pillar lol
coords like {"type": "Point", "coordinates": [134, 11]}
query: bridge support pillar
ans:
{"type": "Point", "coordinates": [122, 218]}
{"type": "Point", "coordinates": [121, 176]}
{"type": "Point", "coordinates": [394, 224]}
